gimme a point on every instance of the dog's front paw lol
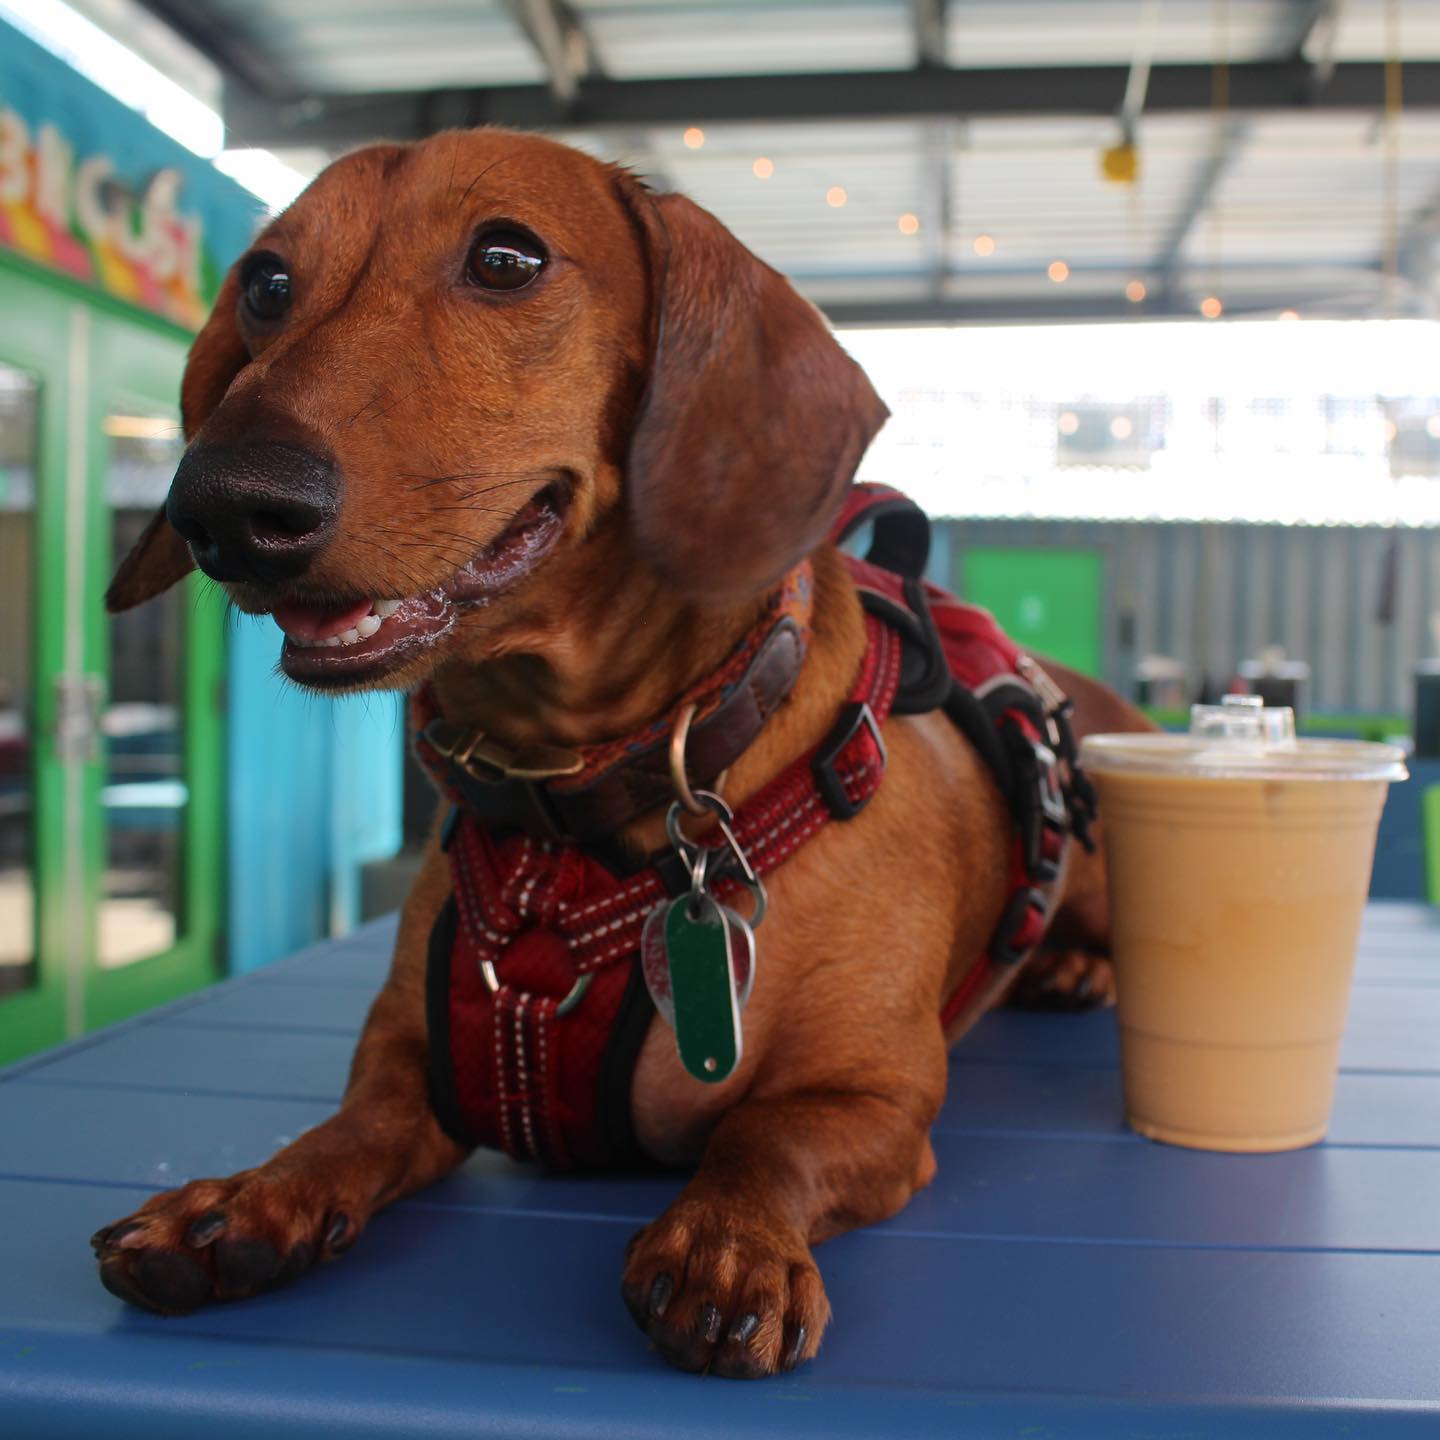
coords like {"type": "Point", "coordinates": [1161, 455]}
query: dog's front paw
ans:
{"type": "Point", "coordinates": [221, 1240]}
{"type": "Point", "coordinates": [719, 1292]}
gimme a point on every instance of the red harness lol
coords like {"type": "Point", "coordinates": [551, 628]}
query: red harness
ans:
{"type": "Point", "coordinates": [536, 1002]}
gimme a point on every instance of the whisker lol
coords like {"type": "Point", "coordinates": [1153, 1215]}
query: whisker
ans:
{"type": "Point", "coordinates": [399, 400]}
{"type": "Point", "coordinates": [480, 177]}
{"type": "Point", "coordinates": [362, 409]}
{"type": "Point", "coordinates": [512, 477]}
{"type": "Point", "coordinates": [469, 510]}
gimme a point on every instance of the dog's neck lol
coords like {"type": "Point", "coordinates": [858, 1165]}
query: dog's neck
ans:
{"type": "Point", "coordinates": [594, 657]}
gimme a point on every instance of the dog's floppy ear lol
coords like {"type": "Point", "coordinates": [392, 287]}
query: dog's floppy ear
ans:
{"type": "Point", "coordinates": [160, 557]}
{"type": "Point", "coordinates": [754, 419]}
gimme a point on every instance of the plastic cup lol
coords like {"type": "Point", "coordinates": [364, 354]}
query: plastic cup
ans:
{"type": "Point", "coordinates": [1239, 860]}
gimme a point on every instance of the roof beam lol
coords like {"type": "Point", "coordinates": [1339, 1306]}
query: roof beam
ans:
{"type": "Point", "coordinates": [939, 204]}
{"type": "Point", "coordinates": [564, 48]}
{"type": "Point", "coordinates": [250, 67]}
{"type": "Point", "coordinates": [1047, 310]}
{"type": "Point", "coordinates": [921, 94]}
{"type": "Point", "coordinates": [1171, 261]}
{"type": "Point", "coordinates": [1319, 24]}
{"type": "Point", "coordinates": [927, 19]}
{"type": "Point", "coordinates": [1138, 81]}
{"type": "Point", "coordinates": [1057, 310]}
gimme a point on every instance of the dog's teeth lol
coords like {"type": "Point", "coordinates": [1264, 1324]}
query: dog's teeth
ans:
{"type": "Point", "coordinates": [349, 637]}
{"type": "Point", "coordinates": [299, 643]}
{"type": "Point", "coordinates": [328, 643]}
{"type": "Point", "coordinates": [367, 627]}
{"type": "Point", "coordinates": [386, 608]}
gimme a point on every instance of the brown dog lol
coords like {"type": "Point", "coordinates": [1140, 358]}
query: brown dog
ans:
{"type": "Point", "coordinates": [549, 442]}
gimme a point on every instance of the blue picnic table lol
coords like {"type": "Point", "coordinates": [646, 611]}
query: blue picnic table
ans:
{"type": "Point", "coordinates": [1061, 1278]}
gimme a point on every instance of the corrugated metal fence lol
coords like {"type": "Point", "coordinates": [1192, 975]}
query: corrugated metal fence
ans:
{"type": "Point", "coordinates": [1213, 595]}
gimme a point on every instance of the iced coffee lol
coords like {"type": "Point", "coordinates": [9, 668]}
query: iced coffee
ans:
{"type": "Point", "coordinates": [1239, 860]}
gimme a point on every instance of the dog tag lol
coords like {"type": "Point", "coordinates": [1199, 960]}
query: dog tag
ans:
{"type": "Point", "coordinates": [697, 938]}
{"type": "Point", "coordinates": [656, 967]}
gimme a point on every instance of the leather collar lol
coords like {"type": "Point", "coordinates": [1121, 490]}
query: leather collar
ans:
{"type": "Point", "coordinates": [587, 795]}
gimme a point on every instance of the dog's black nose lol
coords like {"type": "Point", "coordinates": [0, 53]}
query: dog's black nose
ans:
{"type": "Point", "coordinates": [254, 512]}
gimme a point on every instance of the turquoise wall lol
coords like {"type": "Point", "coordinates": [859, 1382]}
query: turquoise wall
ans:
{"type": "Point", "coordinates": [315, 792]}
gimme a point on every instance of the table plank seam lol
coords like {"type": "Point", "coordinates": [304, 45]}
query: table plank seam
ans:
{"type": "Point", "coordinates": [889, 1230]}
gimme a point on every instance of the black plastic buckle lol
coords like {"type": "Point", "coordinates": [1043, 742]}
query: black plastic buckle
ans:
{"type": "Point", "coordinates": [1003, 950]}
{"type": "Point", "coordinates": [1045, 810]}
{"type": "Point", "coordinates": [854, 715]}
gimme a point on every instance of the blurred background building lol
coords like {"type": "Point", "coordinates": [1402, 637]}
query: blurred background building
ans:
{"type": "Point", "coordinates": [1151, 288]}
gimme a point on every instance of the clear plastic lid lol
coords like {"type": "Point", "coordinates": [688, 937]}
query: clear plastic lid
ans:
{"type": "Point", "coordinates": [1242, 738]}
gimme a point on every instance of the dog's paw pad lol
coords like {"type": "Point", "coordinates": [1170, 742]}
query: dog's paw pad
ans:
{"type": "Point", "coordinates": [725, 1296]}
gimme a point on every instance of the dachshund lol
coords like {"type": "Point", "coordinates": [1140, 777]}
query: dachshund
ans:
{"type": "Point", "coordinates": [486, 417]}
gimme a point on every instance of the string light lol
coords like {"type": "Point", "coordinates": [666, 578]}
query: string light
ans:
{"type": "Point", "coordinates": [1211, 308]}
{"type": "Point", "coordinates": [909, 224]}
{"type": "Point", "coordinates": [1135, 291]}
{"type": "Point", "coordinates": [1288, 315]}
{"type": "Point", "coordinates": [983, 245]}
{"type": "Point", "coordinates": [1068, 423]}
{"type": "Point", "coordinates": [763, 168]}
{"type": "Point", "coordinates": [694, 137]}
{"type": "Point", "coordinates": [1122, 427]}
{"type": "Point", "coordinates": [1059, 271]}
{"type": "Point", "coordinates": [836, 196]}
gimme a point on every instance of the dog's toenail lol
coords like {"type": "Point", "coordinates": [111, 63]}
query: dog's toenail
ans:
{"type": "Point", "coordinates": [206, 1228]}
{"type": "Point", "coordinates": [797, 1347]}
{"type": "Point", "coordinates": [338, 1236]}
{"type": "Point", "coordinates": [711, 1321]}
{"type": "Point", "coordinates": [1082, 990]}
{"type": "Point", "coordinates": [116, 1235]}
{"type": "Point", "coordinates": [744, 1328]}
{"type": "Point", "coordinates": [660, 1293]}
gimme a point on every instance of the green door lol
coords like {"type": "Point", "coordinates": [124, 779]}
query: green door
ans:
{"type": "Point", "coordinates": [110, 743]}
{"type": "Point", "coordinates": [1048, 600]}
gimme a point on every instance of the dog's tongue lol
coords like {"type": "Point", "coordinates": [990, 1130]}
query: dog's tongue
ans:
{"type": "Point", "coordinates": [319, 622]}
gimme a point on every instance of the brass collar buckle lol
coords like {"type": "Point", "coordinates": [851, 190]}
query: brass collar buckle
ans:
{"type": "Point", "coordinates": [492, 762]}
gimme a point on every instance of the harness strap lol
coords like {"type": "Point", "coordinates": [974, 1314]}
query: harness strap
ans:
{"type": "Point", "coordinates": [900, 533]}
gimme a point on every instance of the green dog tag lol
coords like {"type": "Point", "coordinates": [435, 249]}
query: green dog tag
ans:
{"type": "Point", "coordinates": [702, 987]}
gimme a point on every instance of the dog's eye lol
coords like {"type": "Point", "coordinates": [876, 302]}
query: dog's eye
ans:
{"type": "Point", "coordinates": [506, 260]}
{"type": "Point", "coordinates": [265, 286]}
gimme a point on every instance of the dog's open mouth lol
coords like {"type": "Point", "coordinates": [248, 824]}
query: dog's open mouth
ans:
{"type": "Point", "coordinates": [361, 641]}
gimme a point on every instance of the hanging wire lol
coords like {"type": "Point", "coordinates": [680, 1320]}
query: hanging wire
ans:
{"type": "Point", "coordinates": [1390, 198]}
{"type": "Point", "coordinates": [1131, 109]}
{"type": "Point", "coordinates": [1220, 136]}
{"type": "Point", "coordinates": [1390, 285]}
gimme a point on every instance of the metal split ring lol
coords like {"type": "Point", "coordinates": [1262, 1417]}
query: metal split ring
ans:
{"type": "Point", "coordinates": [697, 856]}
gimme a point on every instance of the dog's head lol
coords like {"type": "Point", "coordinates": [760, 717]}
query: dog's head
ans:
{"type": "Point", "coordinates": [437, 378]}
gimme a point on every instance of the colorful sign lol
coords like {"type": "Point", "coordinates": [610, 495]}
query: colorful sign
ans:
{"type": "Point", "coordinates": [89, 188]}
